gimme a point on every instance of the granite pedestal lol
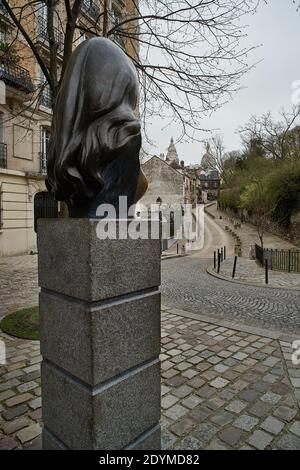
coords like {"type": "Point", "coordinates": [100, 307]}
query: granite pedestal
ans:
{"type": "Point", "coordinates": [100, 337]}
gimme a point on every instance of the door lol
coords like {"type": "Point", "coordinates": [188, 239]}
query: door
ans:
{"type": "Point", "coordinates": [45, 207]}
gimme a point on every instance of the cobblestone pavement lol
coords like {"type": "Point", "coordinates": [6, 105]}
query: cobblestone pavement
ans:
{"type": "Point", "coordinates": [222, 388]}
{"type": "Point", "coordinates": [248, 233]}
{"type": "Point", "coordinates": [18, 281]}
{"type": "Point", "coordinates": [250, 272]}
{"type": "Point", "coordinates": [186, 285]}
{"type": "Point", "coordinates": [226, 389]}
{"type": "Point", "coordinates": [20, 395]}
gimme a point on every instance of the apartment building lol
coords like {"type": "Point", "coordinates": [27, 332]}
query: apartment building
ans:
{"type": "Point", "coordinates": [25, 115]}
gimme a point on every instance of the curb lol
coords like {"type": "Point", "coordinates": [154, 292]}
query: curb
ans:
{"type": "Point", "coordinates": [231, 324]}
{"type": "Point", "coordinates": [211, 272]}
{"type": "Point", "coordinates": [172, 257]}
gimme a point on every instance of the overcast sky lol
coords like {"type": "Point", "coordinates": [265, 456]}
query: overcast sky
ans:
{"type": "Point", "coordinates": [276, 27]}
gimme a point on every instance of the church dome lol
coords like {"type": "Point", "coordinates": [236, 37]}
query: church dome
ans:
{"type": "Point", "coordinates": [172, 155]}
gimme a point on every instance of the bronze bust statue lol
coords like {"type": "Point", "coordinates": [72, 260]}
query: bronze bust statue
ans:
{"type": "Point", "coordinates": [96, 137]}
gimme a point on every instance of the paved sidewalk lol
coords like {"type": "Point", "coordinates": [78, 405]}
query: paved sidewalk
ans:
{"type": "Point", "coordinates": [248, 233]}
{"type": "Point", "coordinates": [224, 387]}
{"type": "Point", "coordinates": [251, 273]}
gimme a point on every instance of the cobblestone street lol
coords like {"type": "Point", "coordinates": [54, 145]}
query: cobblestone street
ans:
{"type": "Point", "coordinates": [186, 285]}
{"type": "Point", "coordinates": [223, 387]}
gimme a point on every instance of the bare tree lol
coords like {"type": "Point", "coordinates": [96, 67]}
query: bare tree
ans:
{"type": "Point", "coordinates": [187, 52]}
{"type": "Point", "coordinates": [275, 137]}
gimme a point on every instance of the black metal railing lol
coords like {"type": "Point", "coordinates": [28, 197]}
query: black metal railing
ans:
{"type": "Point", "coordinates": [15, 76]}
{"type": "Point", "coordinates": [42, 32]}
{"type": "Point", "coordinates": [3, 155]}
{"type": "Point", "coordinates": [91, 9]}
{"type": "Point", "coordinates": [43, 163]}
{"type": "Point", "coordinates": [45, 98]}
{"type": "Point", "coordinates": [281, 260]}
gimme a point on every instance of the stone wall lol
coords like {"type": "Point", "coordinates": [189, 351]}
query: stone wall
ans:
{"type": "Point", "coordinates": [17, 193]}
{"type": "Point", "coordinates": [291, 233]}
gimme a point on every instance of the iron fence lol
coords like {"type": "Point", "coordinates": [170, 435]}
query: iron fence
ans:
{"type": "Point", "coordinates": [281, 260]}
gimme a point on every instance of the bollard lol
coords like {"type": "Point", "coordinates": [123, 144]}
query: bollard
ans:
{"type": "Point", "coordinates": [267, 271]}
{"type": "Point", "coordinates": [224, 253]}
{"type": "Point", "coordinates": [234, 267]}
{"type": "Point", "coordinates": [219, 261]}
{"type": "Point", "coordinates": [215, 260]}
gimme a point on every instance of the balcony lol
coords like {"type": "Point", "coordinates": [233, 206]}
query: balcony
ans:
{"type": "Point", "coordinates": [45, 98]}
{"type": "Point", "coordinates": [42, 33]}
{"type": "Point", "coordinates": [3, 155]}
{"type": "Point", "coordinates": [92, 10]}
{"type": "Point", "coordinates": [15, 76]}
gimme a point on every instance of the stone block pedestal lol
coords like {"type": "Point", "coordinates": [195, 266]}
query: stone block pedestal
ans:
{"type": "Point", "coordinates": [100, 338]}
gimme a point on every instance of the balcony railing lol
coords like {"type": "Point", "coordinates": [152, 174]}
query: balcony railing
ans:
{"type": "Point", "coordinates": [43, 163]}
{"type": "Point", "coordinates": [3, 155]}
{"type": "Point", "coordinates": [42, 32]}
{"type": "Point", "coordinates": [91, 9]}
{"type": "Point", "coordinates": [45, 97]}
{"type": "Point", "coordinates": [15, 76]}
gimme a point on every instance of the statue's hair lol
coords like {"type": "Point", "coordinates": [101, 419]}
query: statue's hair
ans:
{"type": "Point", "coordinates": [93, 120]}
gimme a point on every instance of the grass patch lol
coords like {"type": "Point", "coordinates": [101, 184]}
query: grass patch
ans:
{"type": "Point", "coordinates": [23, 323]}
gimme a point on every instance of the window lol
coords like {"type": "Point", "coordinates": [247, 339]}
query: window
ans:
{"type": "Point", "coordinates": [3, 148]}
{"type": "Point", "coordinates": [45, 138]}
{"type": "Point", "coordinates": [82, 37]}
{"type": "Point", "coordinates": [43, 11]}
{"type": "Point", "coordinates": [1, 127]}
{"type": "Point", "coordinates": [45, 92]}
{"type": "Point", "coordinates": [115, 20]}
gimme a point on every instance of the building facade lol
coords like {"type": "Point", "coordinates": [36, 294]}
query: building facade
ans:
{"type": "Point", "coordinates": [26, 115]}
{"type": "Point", "coordinates": [209, 185]}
